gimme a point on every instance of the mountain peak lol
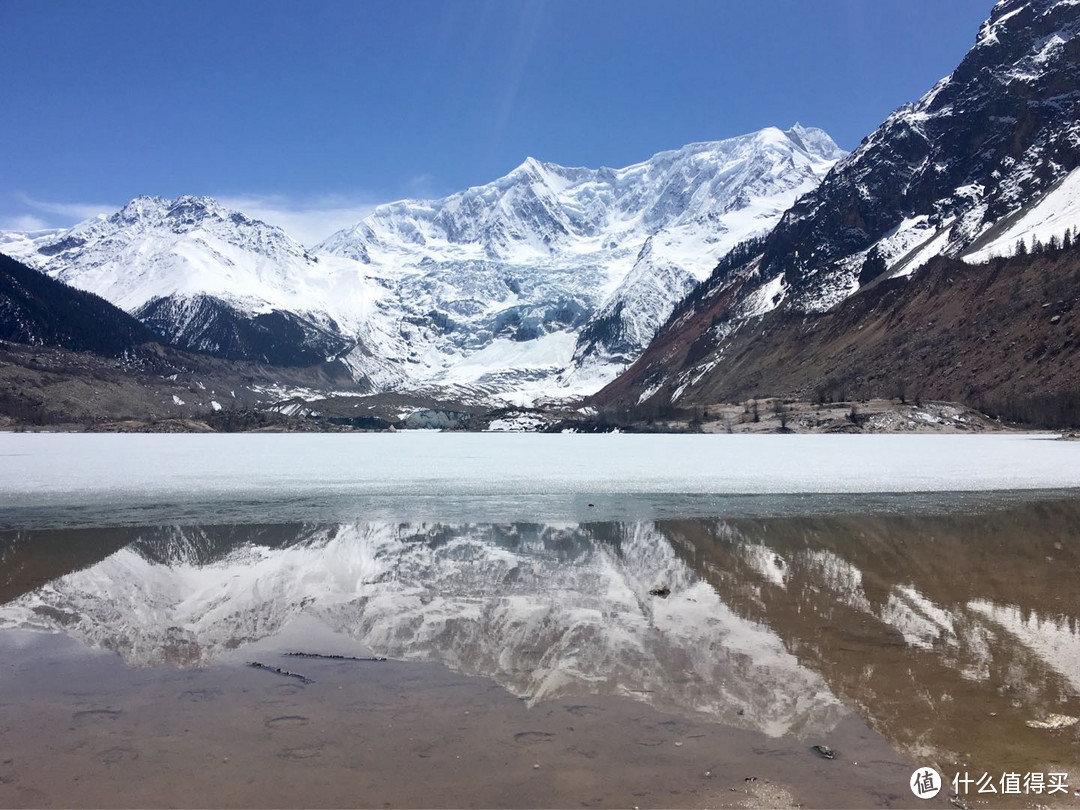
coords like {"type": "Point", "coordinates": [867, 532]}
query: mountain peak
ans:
{"type": "Point", "coordinates": [141, 205]}
{"type": "Point", "coordinates": [815, 141]}
{"type": "Point", "coordinates": [532, 170]}
{"type": "Point", "coordinates": [529, 164]}
{"type": "Point", "coordinates": [191, 208]}
{"type": "Point", "coordinates": [490, 286]}
{"type": "Point", "coordinates": [184, 211]}
{"type": "Point", "coordinates": [156, 247]}
{"type": "Point", "coordinates": [549, 248]}
{"type": "Point", "coordinates": [155, 207]}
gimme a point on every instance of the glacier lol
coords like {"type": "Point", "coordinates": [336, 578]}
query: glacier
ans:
{"type": "Point", "coordinates": [542, 285]}
{"type": "Point", "coordinates": [550, 250]}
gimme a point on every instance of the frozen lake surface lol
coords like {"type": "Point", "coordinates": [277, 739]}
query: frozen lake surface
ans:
{"type": "Point", "coordinates": [238, 477]}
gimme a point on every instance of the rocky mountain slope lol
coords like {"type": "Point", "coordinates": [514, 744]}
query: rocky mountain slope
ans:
{"type": "Point", "coordinates": [68, 356]}
{"type": "Point", "coordinates": [546, 281]}
{"type": "Point", "coordinates": [205, 323]}
{"type": "Point", "coordinates": [951, 173]}
{"type": "Point", "coordinates": [41, 311]}
{"type": "Point", "coordinates": [153, 386]}
{"type": "Point", "coordinates": [988, 158]}
{"type": "Point", "coordinates": [998, 336]}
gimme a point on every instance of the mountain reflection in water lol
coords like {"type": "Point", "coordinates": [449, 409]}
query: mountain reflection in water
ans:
{"type": "Point", "coordinates": [956, 636]}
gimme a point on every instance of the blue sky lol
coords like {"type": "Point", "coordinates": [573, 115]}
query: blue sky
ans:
{"type": "Point", "coordinates": [307, 113]}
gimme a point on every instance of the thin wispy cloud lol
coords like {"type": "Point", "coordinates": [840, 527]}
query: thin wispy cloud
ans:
{"type": "Point", "coordinates": [421, 186]}
{"type": "Point", "coordinates": [528, 23]}
{"type": "Point", "coordinates": [63, 213]}
{"type": "Point", "coordinates": [309, 221]}
{"type": "Point", "coordinates": [25, 222]}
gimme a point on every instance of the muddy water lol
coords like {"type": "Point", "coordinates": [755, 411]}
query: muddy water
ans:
{"type": "Point", "coordinates": [81, 729]}
{"type": "Point", "coordinates": [688, 663]}
{"type": "Point", "coordinates": [958, 637]}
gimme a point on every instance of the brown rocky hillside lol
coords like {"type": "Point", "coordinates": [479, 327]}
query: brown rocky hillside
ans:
{"type": "Point", "coordinates": [1001, 336]}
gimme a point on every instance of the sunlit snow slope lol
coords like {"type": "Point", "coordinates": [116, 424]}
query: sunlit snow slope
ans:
{"type": "Point", "coordinates": [546, 282]}
{"type": "Point", "coordinates": [209, 278]}
{"type": "Point", "coordinates": [552, 279]}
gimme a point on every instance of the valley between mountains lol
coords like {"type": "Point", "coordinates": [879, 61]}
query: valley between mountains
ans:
{"type": "Point", "coordinates": [927, 280]}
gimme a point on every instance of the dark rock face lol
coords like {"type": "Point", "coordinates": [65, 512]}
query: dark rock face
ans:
{"type": "Point", "coordinates": [41, 311]}
{"type": "Point", "coordinates": [203, 323]}
{"type": "Point", "coordinates": [607, 334]}
{"type": "Point", "coordinates": [983, 146]}
{"type": "Point", "coordinates": [998, 132]}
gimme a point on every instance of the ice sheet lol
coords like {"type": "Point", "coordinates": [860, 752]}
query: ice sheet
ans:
{"type": "Point", "coordinates": [521, 474]}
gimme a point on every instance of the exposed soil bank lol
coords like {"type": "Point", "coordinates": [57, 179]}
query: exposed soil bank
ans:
{"type": "Point", "coordinates": [81, 729]}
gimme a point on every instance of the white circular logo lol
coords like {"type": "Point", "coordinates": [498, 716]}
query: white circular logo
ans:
{"type": "Point", "coordinates": [925, 783]}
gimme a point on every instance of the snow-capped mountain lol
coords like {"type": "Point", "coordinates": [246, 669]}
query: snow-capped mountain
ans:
{"type": "Point", "coordinates": [990, 156]}
{"type": "Point", "coordinates": [541, 209]}
{"type": "Point", "coordinates": [155, 248]}
{"type": "Point", "coordinates": [553, 278]}
{"type": "Point", "coordinates": [548, 280]}
{"type": "Point", "coordinates": [202, 276]}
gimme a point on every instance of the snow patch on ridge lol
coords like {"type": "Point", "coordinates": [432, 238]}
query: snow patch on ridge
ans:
{"type": "Point", "coordinates": [1057, 211]}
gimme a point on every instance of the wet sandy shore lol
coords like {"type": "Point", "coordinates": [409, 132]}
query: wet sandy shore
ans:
{"type": "Point", "coordinates": [79, 728]}
{"type": "Point", "coordinates": [540, 665]}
